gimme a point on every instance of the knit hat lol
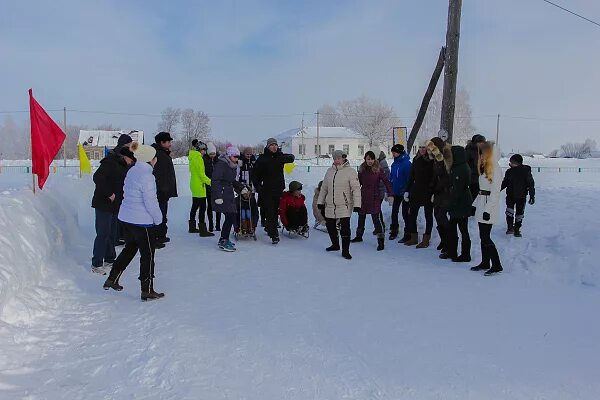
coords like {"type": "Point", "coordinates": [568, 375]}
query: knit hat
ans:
{"type": "Point", "coordinates": [163, 137]}
{"type": "Point", "coordinates": [337, 154]}
{"type": "Point", "coordinates": [123, 140]}
{"type": "Point", "coordinates": [143, 152]}
{"type": "Point", "coordinates": [232, 151]}
{"type": "Point", "coordinates": [211, 148]}
{"type": "Point", "coordinates": [398, 148]}
{"type": "Point", "coordinates": [295, 185]}
{"type": "Point", "coordinates": [198, 145]}
{"type": "Point", "coordinates": [477, 139]}
{"type": "Point", "coordinates": [516, 158]}
{"type": "Point", "coordinates": [271, 141]}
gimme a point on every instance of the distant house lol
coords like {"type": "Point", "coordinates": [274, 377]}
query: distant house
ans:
{"type": "Point", "coordinates": [95, 142]}
{"type": "Point", "coordinates": [302, 142]}
{"type": "Point", "coordinates": [595, 154]}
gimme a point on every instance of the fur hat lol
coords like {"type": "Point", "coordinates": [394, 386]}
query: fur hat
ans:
{"type": "Point", "coordinates": [143, 152]}
{"type": "Point", "coordinates": [232, 151]}
{"type": "Point", "coordinates": [423, 142]}
{"type": "Point", "coordinates": [337, 154]}
{"type": "Point", "coordinates": [211, 148]}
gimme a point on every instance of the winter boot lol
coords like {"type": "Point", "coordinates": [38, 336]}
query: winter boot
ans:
{"type": "Point", "coordinates": [414, 239]}
{"type": "Point", "coordinates": [203, 231]}
{"type": "Point", "coordinates": [441, 233]}
{"type": "Point", "coordinates": [405, 238]}
{"type": "Point", "coordinates": [359, 236]}
{"type": "Point", "coordinates": [211, 227]}
{"type": "Point", "coordinates": [485, 262]}
{"type": "Point", "coordinates": [465, 252]}
{"type": "Point", "coordinates": [335, 242]}
{"type": "Point", "coordinates": [380, 242]}
{"type": "Point", "coordinates": [152, 290]}
{"type": "Point", "coordinates": [509, 225]}
{"type": "Point", "coordinates": [517, 229]}
{"type": "Point", "coordinates": [147, 292]}
{"type": "Point", "coordinates": [192, 226]}
{"type": "Point", "coordinates": [112, 282]}
{"type": "Point", "coordinates": [425, 242]}
{"type": "Point", "coordinates": [275, 240]}
{"type": "Point", "coordinates": [346, 247]}
{"type": "Point", "coordinates": [494, 270]}
{"type": "Point", "coordinates": [393, 232]}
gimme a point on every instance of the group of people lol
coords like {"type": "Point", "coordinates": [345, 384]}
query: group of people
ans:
{"type": "Point", "coordinates": [135, 182]}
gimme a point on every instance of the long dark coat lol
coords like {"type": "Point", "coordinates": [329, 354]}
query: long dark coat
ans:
{"type": "Point", "coordinates": [420, 183]}
{"type": "Point", "coordinates": [164, 172]}
{"type": "Point", "coordinates": [267, 174]}
{"type": "Point", "coordinates": [224, 185]}
{"type": "Point", "coordinates": [369, 190]}
{"type": "Point", "coordinates": [109, 178]}
{"type": "Point", "coordinates": [460, 199]}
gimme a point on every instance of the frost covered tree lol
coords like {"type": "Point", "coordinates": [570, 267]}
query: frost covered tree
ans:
{"type": "Point", "coordinates": [169, 120]}
{"type": "Point", "coordinates": [463, 123]}
{"type": "Point", "coordinates": [194, 125]}
{"type": "Point", "coordinates": [184, 126]}
{"type": "Point", "coordinates": [578, 150]}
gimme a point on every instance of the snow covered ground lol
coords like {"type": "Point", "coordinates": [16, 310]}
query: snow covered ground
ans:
{"type": "Point", "coordinates": [293, 322]}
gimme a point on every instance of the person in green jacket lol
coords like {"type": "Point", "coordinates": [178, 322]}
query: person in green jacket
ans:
{"type": "Point", "coordinates": [459, 207]}
{"type": "Point", "coordinates": [198, 183]}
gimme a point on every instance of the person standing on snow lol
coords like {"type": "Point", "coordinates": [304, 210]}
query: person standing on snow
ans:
{"type": "Point", "coordinates": [459, 208]}
{"type": "Point", "coordinates": [166, 182]}
{"type": "Point", "coordinates": [140, 214]}
{"type": "Point", "coordinates": [383, 165]}
{"type": "Point", "coordinates": [339, 196]}
{"type": "Point", "coordinates": [247, 162]}
{"type": "Point", "coordinates": [371, 176]}
{"type": "Point", "coordinates": [472, 149]}
{"type": "Point", "coordinates": [269, 182]}
{"type": "Point", "coordinates": [487, 205]}
{"type": "Point", "coordinates": [518, 182]}
{"type": "Point", "coordinates": [399, 174]}
{"type": "Point", "coordinates": [108, 195]}
{"type": "Point", "coordinates": [442, 155]}
{"type": "Point", "coordinates": [210, 158]}
{"type": "Point", "coordinates": [224, 188]}
{"type": "Point", "coordinates": [418, 194]}
{"type": "Point", "coordinates": [198, 184]}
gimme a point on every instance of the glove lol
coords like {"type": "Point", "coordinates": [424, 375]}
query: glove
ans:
{"type": "Point", "coordinates": [531, 200]}
{"type": "Point", "coordinates": [356, 209]}
{"type": "Point", "coordinates": [486, 216]}
{"type": "Point", "coordinates": [390, 200]}
{"type": "Point", "coordinates": [406, 196]}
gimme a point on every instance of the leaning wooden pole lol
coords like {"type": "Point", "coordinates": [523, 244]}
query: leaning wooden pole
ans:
{"type": "Point", "coordinates": [451, 68]}
{"type": "Point", "coordinates": [426, 99]}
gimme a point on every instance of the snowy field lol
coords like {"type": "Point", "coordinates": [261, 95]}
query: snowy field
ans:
{"type": "Point", "coordinates": [294, 322]}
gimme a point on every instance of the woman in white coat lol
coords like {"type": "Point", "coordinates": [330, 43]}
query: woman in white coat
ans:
{"type": "Point", "coordinates": [140, 214]}
{"type": "Point", "coordinates": [339, 196]}
{"type": "Point", "coordinates": [487, 204]}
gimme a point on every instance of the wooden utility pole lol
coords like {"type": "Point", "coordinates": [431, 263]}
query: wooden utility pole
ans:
{"type": "Point", "coordinates": [66, 137]}
{"type": "Point", "coordinates": [426, 99]}
{"type": "Point", "coordinates": [451, 67]}
{"type": "Point", "coordinates": [318, 144]}
{"type": "Point", "coordinates": [498, 129]}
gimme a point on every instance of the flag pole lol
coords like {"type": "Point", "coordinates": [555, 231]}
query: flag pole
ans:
{"type": "Point", "coordinates": [66, 137]}
{"type": "Point", "coordinates": [31, 147]}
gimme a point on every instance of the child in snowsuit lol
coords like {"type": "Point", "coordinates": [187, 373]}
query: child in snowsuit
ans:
{"type": "Point", "coordinates": [246, 214]}
{"type": "Point", "coordinates": [518, 182]}
{"type": "Point", "coordinates": [292, 210]}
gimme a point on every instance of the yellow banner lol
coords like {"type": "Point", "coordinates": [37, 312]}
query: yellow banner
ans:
{"type": "Point", "coordinates": [84, 163]}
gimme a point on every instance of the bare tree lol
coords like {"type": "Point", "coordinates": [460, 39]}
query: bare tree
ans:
{"type": "Point", "coordinates": [194, 125]}
{"type": "Point", "coordinates": [329, 116]}
{"type": "Point", "coordinates": [170, 118]}
{"type": "Point", "coordinates": [463, 123]}
{"type": "Point", "coordinates": [578, 150]}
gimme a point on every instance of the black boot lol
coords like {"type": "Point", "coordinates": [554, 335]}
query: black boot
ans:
{"type": "Point", "coordinates": [335, 242]}
{"type": "Point", "coordinates": [148, 292]}
{"type": "Point", "coordinates": [485, 262]}
{"type": "Point", "coordinates": [393, 232]}
{"type": "Point", "coordinates": [380, 243]}
{"type": "Point", "coordinates": [517, 229]}
{"type": "Point", "coordinates": [441, 245]}
{"type": "Point", "coordinates": [405, 238]}
{"type": "Point", "coordinates": [346, 247]}
{"type": "Point", "coordinates": [210, 225]}
{"type": "Point", "coordinates": [203, 231]}
{"type": "Point", "coordinates": [465, 252]}
{"type": "Point", "coordinates": [495, 259]}
{"type": "Point", "coordinates": [359, 236]}
{"type": "Point", "coordinates": [112, 282]}
{"type": "Point", "coordinates": [153, 292]}
{"type": "Point", "coordinates": [192, 227]}
{"type": "Point", "coordinates": [509, 225]}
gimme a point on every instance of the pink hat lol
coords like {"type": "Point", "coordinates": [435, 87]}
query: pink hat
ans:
{"type": "Point", "coordinates": [232, 151]}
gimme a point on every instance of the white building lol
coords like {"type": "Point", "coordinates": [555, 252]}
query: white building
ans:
{"type": "Point", "coordinates": [302, 142]}
{"type": "Point", "coordinates": [95, 142]}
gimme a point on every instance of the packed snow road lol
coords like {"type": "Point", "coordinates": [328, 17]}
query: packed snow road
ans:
{"type": "Point", "coordinates": [293, 322]}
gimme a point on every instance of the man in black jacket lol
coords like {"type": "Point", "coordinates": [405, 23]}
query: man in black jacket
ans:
{"type": "Point", "coordinates": [166, 182]}
{"type": "Point", "coordinates": [269, 182]}
{"type": "Point", "coordinates": [108, 195]}
{"type": "Point", "coordinates": [518, 182]}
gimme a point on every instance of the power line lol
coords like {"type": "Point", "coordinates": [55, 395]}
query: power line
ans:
{"type": "Point", "coordinates": [572, 12]}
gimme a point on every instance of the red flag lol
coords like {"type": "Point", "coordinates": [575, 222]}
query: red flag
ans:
{"type": "Point", "coordinates": [46, 140]}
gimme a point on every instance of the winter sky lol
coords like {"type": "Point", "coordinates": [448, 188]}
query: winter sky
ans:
{"type": "Point", "coordinates": [255, 65]}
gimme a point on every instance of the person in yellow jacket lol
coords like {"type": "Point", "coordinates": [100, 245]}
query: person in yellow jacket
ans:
{"type": "Point", "coordinates": [198, 183]}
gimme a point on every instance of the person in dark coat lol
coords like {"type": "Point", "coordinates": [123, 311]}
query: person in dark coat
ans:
{"type": "Point", "coordinates": [108, 195]}
{"type": "Point", "coordinates": [224, 188]}
{"type": "Point", "coordinates": [419, 190]}
{"type": "Point", "coordinates": [442, 155]}
{"type": "Point", "coordinates": [518, 182]}
{"type": "Point", "coordinates": [124, 140]}
{"type": "Point", "coordinates": [166, 182]}
{"type": "Point", "coordinates": [399, 174]}
{"type": "Point", "coordinates": [459, 207]}
{"type": "Point", "coordinates": [269, 182]}
{"type": "Point", "coordinates": [472, 150]}
{"type": "Point", "coordinates": [371, 176]}
{"type": "Point", "coordinates": [210, 158]}
{"type": "Point", "coordinates": [383, 164]}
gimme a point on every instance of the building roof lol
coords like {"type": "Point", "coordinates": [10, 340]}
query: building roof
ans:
{"type": "Point", "coordinates": [324, 132]}
{"type": "Point", "coordinates": [107, 138]}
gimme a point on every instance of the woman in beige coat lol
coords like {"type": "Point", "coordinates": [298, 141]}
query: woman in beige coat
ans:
{"type": "Point", "coordinates": [339, 196]}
